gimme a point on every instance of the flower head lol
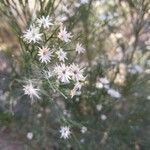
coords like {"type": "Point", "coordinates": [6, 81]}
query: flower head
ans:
{"type": "Point", "coordinates": [79, 48]}
{"type": "Point", "coordinates": [32, 35]}
{"type": "Point", "coordinates": [134, 69]}
{"type": "Point", "coordinates": [65, 132]}
{"type": "Point", "coordinates": [114, 93]}
{"type": "Point", "coordinates": [83, 129]}
{"type": "Point", "coordinates": [29, 135]}
{"type": "Point", "coordinates": [77, 73]}
{"type": "Point", "coordinates": [63, 73]}
{"type": "Point", "coordinates": [84, 1]}
{"type": "Point", "coordinates": [46, 22]}
{"type": "Point", "coordinates": [76, 90]}
{"type": "Point", "coordinates": [47, 73]}
{"type": "Point", "coordinates": [64, 35]}
{"type": "Point", "coordinates": [103, 117]}
{"type": "Point", "coordinates": [99, 107]}
{"type": "Point", "coordinates": [102, 83]}
{"type": "Point", "coordinates": [44, 54]}
{"type": "Point", "coordinates": [61, 55]}
{"type": "Point", "coordinates": [104, 80]}
{"type": "Point", "coordinates": [31, 91]}
{"type": "Point", "coordinates": [99, 85]}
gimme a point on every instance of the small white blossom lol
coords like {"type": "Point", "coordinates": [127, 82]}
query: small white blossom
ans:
{"type": "Point", "coordinates": [44, 54]}
{"type": "Point", "coordinates": [76, 4]}
{"type": "Point", "coordinates": [106, 86]}
{"type": "Point", "coordinates": [47, 74]}
{"type": "Point", "coordinates": [61, 55]}
{"type": "Point", "coordinates": [104, 80]}
{"type": "Point", "coordinates": [148, 97]}
{"type": "Point", "coordinates": [102, 83]}
{"type": "Point", "coordinates": [99, 107]}
{"type": "Point", "coordinates": [46, 22]}
{"type": "Point", "coordinates": [114, 93]}
{"type": "Point", "coordinates": [64, 35]}
{"type": "Point", "coordinates": [32, 35]}
{"type": "Point", "coordinates": [76, 90]}
{"type": "Point", "coordinates": [63, 73]}
{"type": "Point", "coordinates": [83, 129]}
{"type": "Point", "coordinates": [61, 18]}
{"type": "Point", "coordinates": [84, 1]}
{"type": "Point", "coordinates": [76, 73]}
{"type": "Point", "coordinates": [79, 48]}
{"type": "Point", "coordinates": [65, 9]}
{"type": "Point", "coordinates": [134, 69]}
{"type": "Point", "coordinates": [147, 71]}
{"type": "Point", "coordinates": [29, 135]}
{"type": "Point", "coordinates": [77, 99]}
{"type": "Point", "coordinates": [103, 117]}
{"type": "Point", "coordinates": [138, 68]}
{"type": "Point", "coordinates": [39, 115]}
{"type": "Point", "coordinates": [31, 91]}
{"type": "Point", "coordinates": [82, 140]}
{"type": "Point", "coordinates": [99, 85]}
{"type": "Point", "coordinates": [65, 132]}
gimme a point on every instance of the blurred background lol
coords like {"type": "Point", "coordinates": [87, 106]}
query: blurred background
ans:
{"type": "Point", "coordinates": [116, 36]}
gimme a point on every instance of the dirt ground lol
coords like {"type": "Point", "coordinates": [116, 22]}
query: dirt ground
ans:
{"type": "Point", "coordinates": [8, 145]}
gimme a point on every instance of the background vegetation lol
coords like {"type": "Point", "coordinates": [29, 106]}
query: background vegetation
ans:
{"type": "Point", "coordinates": [115, 34]}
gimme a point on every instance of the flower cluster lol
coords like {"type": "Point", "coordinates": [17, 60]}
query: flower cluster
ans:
{"type": "Point", "coordinates": [55, 57]}
{"type": "Point", "coordinates": [103, 83]}
{"type": "Point", "coordinates": [56, 60]}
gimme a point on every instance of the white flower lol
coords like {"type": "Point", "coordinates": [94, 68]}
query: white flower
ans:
{"type": "Point", "coordinates": [64, 35]}
{"type": "Point", "coordinates": [103, 117]}
{"type": "Point", "coordinates": [47, 74]}
{"type": "Point", "coordinates": [61, 18]}
{"type": "Point", "coordinates": [44, 54]}
{"type": "Point", "coordinates": [104, 80]}
{"type": "Point", "coordinates": [65, 9]}
{"type": "Point", "coordinates": [76, 73]}
{"type": "Point", "coordinates": [31, 91]}
{"type": "Point", "coordinates": [61, 55]}
{"type": "Point", "coordinates": [147, 71]}
{"type": "Point", "coordinates": [29, 135]}
{"type": "Point", "coordinates": [99, 107]}
{"type": "Point", "coordinates": [77, 99]}
{"type": "Point", "coordinates": [148, 97]}
{"type": "Point", "coordinates": [83, 129]}
{"type": "Point", "coordinates": [99, 85]}
{"type": "Point", "coordinates": [133, 69]}
{"type": "Point", "coordinates": [65, 132]}
{"type": "Point", "coordinates": [45, 22]}
{"type": "Point", "coordinates": [39, 115]}
{"type": "Point", "coordinates": [82, 140]}
{"type": "Point", "coordinates": [76, 90]}
{"type": "Point", "coordinates": [138, 68]}
{"type": "Point", "coordinates": [84, 1]}
{"type": "Point", "coordinates": [32, 34]}
{"type": "Point", "coordinates": [63, 73]}
{"type": "Point", "coordinates": [106, 86]}
{"type": "Point", "coordinates": [79, 48]}
{"type": "Point", "coordinates": [102, 83]}
{"type": "Point", "coordinates": [76, 4]}
{"type": "Point", "coordinates": [114, 93]}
